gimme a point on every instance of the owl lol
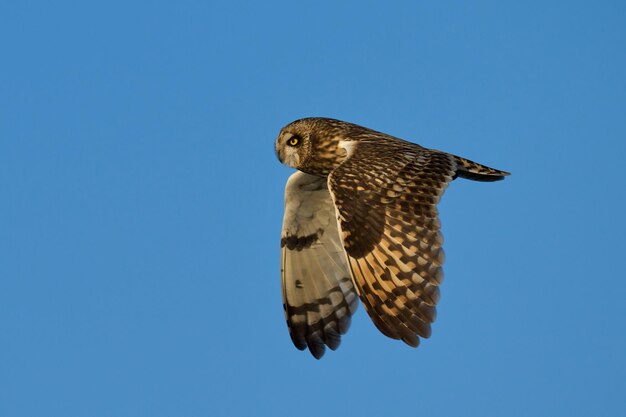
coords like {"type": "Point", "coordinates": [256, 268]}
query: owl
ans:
{"type": "Point", "coordinates": [361, 222]}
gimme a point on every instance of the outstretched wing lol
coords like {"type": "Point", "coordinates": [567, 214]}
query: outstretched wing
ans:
{"type": "Point", "coordinates": [318, 295]}
{"type": "Point", "coordinates": [386, 193]}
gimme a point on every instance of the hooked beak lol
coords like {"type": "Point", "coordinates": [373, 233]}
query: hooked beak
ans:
{"type": "Point", "coordinates": [278, 155]}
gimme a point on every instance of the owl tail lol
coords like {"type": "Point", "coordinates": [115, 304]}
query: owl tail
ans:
{"type": "Point", "coordinates": [472, 171]}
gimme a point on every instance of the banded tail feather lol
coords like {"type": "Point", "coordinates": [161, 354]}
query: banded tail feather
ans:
{"type": "Point", "coordinates": [474, 171]}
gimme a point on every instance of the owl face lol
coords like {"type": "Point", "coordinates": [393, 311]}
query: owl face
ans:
{"type": "Point", "coordinates": [293, 147]}
{"type": "Point", "coordinates": [311, 145]}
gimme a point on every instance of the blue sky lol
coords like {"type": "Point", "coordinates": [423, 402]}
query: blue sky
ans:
{"type": "Point", "coordinates": [142, 205]}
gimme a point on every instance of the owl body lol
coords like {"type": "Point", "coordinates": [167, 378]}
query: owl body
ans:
{"type": "Point", "coordinates": [361, 221]}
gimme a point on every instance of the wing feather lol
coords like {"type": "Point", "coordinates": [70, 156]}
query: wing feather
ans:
{"type": "Point", "coordinates": [318, 295]}
{"type": "Point", "coordinates": [385, 194]}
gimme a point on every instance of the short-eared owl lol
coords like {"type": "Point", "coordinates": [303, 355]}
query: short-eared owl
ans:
{"type": "Point", "coordinates": [361, 222]}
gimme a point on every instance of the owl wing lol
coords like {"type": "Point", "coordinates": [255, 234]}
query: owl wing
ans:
{"type": "Point", "coordinates": [385, 194]}
{"type": "Point", "coordinates": [318, 295]}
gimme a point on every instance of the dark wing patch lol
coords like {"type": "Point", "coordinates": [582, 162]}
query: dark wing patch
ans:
{"type": "Point", "coordinates": [386, 194]}
{"type": "Point", "coordinates": [299, 242]}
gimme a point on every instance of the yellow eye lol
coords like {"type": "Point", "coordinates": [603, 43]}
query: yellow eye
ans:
{"type": "Point", "coordinates": [294, 141]}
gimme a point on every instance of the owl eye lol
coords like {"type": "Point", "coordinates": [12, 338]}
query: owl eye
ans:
{"type": "Point", "coordinates": [294, 141]}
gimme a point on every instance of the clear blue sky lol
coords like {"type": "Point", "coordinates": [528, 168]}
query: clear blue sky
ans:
{"type": "Point", "coordinates": [142, 205]}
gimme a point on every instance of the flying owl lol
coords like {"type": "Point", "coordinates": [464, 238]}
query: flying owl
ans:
{"type": "Point", "coordinates": [361, 222]}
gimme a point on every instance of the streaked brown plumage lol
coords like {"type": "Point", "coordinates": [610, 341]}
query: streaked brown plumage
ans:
{"type": "Point", "coordinates": [361, 218]}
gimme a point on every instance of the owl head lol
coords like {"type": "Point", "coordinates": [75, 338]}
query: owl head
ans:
{"type": "Point", "coordinates": [313, 145]}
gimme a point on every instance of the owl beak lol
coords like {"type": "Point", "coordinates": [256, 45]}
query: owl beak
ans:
{"type": "Point", "coordinates": [278, 155]}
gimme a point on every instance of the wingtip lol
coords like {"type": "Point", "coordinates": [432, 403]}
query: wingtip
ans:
{"type": "Point", "coordinates": [317, 351]}
{"type": "Point", "coordinates": [412, 341]}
